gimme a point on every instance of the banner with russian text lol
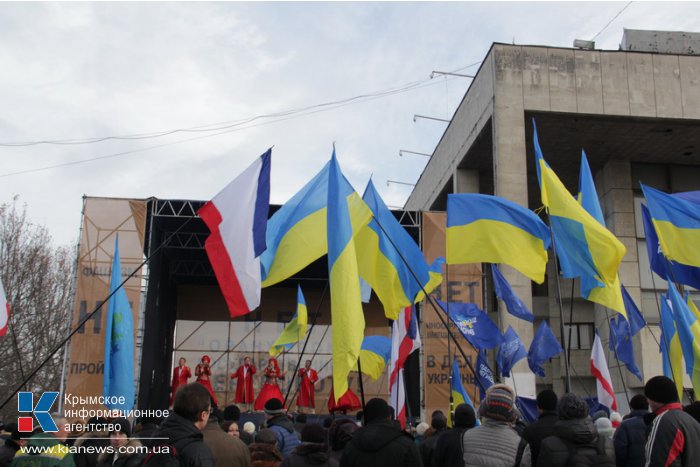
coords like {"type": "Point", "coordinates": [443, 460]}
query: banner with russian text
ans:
{"type": "Point", "coordinates": [461, 283]}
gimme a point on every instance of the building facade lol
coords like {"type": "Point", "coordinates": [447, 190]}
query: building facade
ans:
{"type": "Point", "coordinates": [636, 113]}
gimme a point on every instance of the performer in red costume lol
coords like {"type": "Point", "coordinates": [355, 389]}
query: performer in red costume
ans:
{"type": "Point", "coordinates": [307, 378]}
{"type": "Point", "coordinates": [244, 390]}
{"type": "Point", "coordinates": [347, 403]}
{"type": "Point", "coordinates": [181, 374]}
{"type": "Point", "coordinates": [203, 373]}
{"type": "Point", "coordinates": [270, 389]}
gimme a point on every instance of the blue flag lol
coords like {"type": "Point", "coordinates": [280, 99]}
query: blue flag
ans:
{"type": "Point", "coordinates": [621, 344]}
{"type": "Point", "coordinates": [118, 378]}
{"type": "Point", "coordinates": [683, 274]}
{"type": "Point", "coordinates": [544, 346]}
{"type": "Point", "coordinates": [511, 351]}
{"type": "Point", "coordinates": [483, 374]}
{"type": "Point", "coordinates": [634, 316]}
{"type": "Point", "coordinates": [474, 324]}
{"type": "Point", "coordinates": [504, 291]}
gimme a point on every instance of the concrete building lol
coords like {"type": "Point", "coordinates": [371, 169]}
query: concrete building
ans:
{"type": "Point", "coordinates": [636, 113]}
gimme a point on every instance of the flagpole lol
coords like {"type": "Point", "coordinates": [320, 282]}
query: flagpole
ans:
{"type": "Point", "coordinates": [449, 345]}
{"type": "Point", "coordinates": [362, 386]}
{"type": "Point", "coordinates": [561, 307]}
{"type": "Point", "coordinates": [614, 339]}
{"type": "Point", "coordinates": [306, 342]}
{"type": "Point", "coordinates": [571, 320]}
{"type": "Point", "coordinates": [90, 315]}
{"type": "Point", "coordinates": [664, 337]}
{"type": "Point", "coordinates": [431, 301]}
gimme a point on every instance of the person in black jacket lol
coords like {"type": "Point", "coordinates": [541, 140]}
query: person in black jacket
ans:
{"type": "Point", "coordinates": [438, 423]}
{"type": "Point", "coordinates": [448, 449]}
{"type": "Point", "coordinates": [381, 442]}
{"type": "Point", "coordinates": [630, 435]}
{"type": "Point", "coordinates": [576, 436]}
{"type": "Point", "coordinates": [673, 436]}
{"type": "Point", "coordinates": [183, 426]}
{"type": "Point", "coordinates": [313, 450]}
{"type": "Point", "coordinates": [544, 426]}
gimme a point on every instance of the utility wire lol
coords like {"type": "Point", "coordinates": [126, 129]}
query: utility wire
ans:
{"type": "Point", "coordinates": [236, 123]}
{"type": "Point", "coordinates": [613, 19]}
{"type": "Point", "coordinates": [230, 130]}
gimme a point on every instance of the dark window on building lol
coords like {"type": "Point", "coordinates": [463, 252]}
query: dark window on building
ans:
{"type": "Point", "coordinates": [582, 335]}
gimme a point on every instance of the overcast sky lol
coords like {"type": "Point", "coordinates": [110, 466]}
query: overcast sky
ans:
{"type": "Point", "coordinates": [81, 70]}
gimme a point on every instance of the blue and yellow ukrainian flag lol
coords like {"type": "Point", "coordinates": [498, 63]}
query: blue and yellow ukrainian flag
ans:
{"type": "Point", "coordinates": [348, 321]}
{"type": "Point", "coordinates": [375, 353]}
{"type": "Point", "coordinates": [383, 245]}
{"type": "Point", "coordinates": [489, 229]}
{"type": "Point", "coordinates": [295, 330]}
{"type": "Point", "coordinates": [584, 247]}
{"type": "Point", "coordinates": [688, 328]}
{"type": "Point", "coordinates": [677, 223]}
{"type": "Point", "coordinates": [671, 351]}
{"type": "Point", "coordinates": [459, 394]}
{"type": "Point", "coordinates": [609, 296]}
{"type": "Point", "coordinates": [296, 233]}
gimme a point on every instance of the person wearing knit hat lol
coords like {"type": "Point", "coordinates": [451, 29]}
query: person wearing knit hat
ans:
{"type": "Point", "coordinates": [674, 436]}
{"type": "Point", "coordinates": [495, 442]}
{"type": "Point", "coordinates": [576, 437]}
{"type": "Point", "coordinates": [281, 425]}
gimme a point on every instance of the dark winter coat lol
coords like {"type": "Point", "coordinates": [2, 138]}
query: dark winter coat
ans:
{"type": "Point", "coordinates": [427, 448]}
{"type": "Point", "coordinates": [539, 430]}
{"type": "Point", "coordinates": [673, 438]}
{"type": "Point", "coordinates": [97, 439]}
{"type": "Point", "coordinates": [448, 449]}
{"type": "Point", "coordinates": [125, 459]}
{"type": "Point", "coordinates": [308, 455]}
{"type": "Point", "coordinates": [265, 455]}
{"type": "Point", "coordinates": [227, 450]}
{"type": "Point", "coordinates": [580, 434]}
{"type": "Point", "coordinates": [7, 452]}
{"type": "Point", "coordinates": [629, 440]}
{"type": "Point", "coordinates": [381, 444]}
{"type": "Point", "coordinates": [287, 439]}
{"type": "Point", "coordinates": [146, 433]}
{"type": "Point", "coordinates": [187, 440]}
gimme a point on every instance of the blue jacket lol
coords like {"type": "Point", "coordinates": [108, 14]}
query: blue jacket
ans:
{"type": "Point", "coordinates": [629, 440]}
{"type": "Point", "coordinates": [284, 431]}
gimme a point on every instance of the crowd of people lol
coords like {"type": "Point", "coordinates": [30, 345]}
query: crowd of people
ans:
{"type": "Point", "coordinates": [657, 431]}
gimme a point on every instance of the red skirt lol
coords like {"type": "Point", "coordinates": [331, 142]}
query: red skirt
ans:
{"type": "Point", "coordinates": [268, 391]}
{"type": "Point", "coordinates": [348, 403]}
{"type": "Point", "coordinates": [207, 384]}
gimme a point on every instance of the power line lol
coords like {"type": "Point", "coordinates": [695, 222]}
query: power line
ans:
{"type": "Point", "coordinates": [243, 126]}
{"type": "Point", "coordinates": [214, 127]}
{"type": "Point", "coordinates": [613, 19]}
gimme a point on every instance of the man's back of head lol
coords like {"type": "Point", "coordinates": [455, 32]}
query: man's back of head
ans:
{"type": "Point", "coordinates": [465, 416]}
{"type": "Point", "coordinates": [571, 407]}
{"type": "Point", "coordinates": [376, 410]}
{"type": "Point", "coordinates": [192, 402]}
{"type": "Point", "coordinates": [547, 401]}
{"type": "Point", "coordinates": [639, 402]}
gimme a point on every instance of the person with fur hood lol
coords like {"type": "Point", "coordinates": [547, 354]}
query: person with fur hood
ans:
{"type": "Point", "coordinates": [125, 452]}
{"type": "Point", "coordinates": [264, 452]}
